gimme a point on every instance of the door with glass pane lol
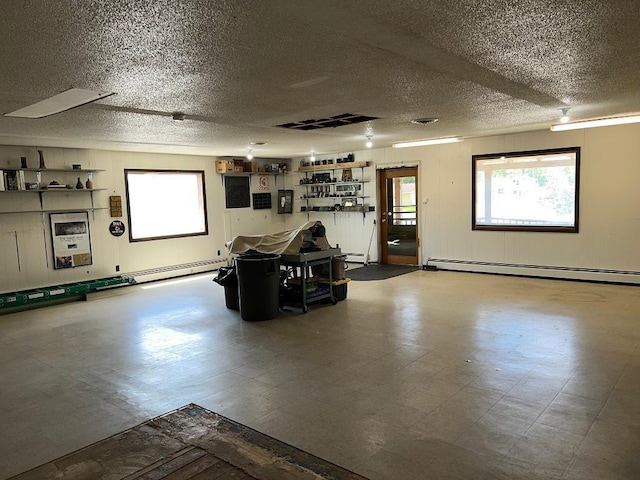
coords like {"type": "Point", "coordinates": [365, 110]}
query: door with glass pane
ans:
{"type": "Point", "coordinates": [399, 215]}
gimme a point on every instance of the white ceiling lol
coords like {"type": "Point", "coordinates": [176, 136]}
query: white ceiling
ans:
{"type": "Point", "coordinates": [237, 68]}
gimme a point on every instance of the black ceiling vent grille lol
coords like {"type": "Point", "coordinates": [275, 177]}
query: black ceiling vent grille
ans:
{"type": "Point", "coordinates": [331, 122]}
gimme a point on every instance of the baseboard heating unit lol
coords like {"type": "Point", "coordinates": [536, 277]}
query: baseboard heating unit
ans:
{"type": "Point", "coordinates": [546, 271]}
{"type": "Point", "coordinates": [170, 271]}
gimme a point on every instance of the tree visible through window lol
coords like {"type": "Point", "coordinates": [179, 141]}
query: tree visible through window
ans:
{"type": "Point", "coordinates": [532, 191]}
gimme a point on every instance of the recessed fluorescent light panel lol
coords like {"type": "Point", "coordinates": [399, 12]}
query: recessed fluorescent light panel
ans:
{"type": "Point", "coordinates": [601, 122]}
{"type": "Point", "coordinates": [74, 97]}
{"type": "Point", "coordinates": [420, 143]}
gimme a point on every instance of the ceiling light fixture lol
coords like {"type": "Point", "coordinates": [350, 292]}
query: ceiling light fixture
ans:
{"type": "Point", "coordinates": [312, 157]}
{"type": "Point", "coordinates": [565, 117]}
{"type": "Point", "coordinates": [74, 97]}
{"type": "Point", "coordinates": [433, 141]}
{"type": "Point", "coordinates": [369, 143]}
{"type": "Point", "coordinates": [249, 153]}
{"type": "Point", "coordinates": [599, 122]}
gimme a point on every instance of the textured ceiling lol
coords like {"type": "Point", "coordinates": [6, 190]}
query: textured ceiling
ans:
{"type": "Point", "coordinates": [238, 68]}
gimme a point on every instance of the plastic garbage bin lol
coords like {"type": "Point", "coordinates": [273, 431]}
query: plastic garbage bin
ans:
{"type": "Point", "coordinates": [228, 278]}
{"type": "Point", "coordinates": [259, 284]}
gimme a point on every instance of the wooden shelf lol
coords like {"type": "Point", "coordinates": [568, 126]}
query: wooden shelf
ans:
{"type": "Point", "coordinates": [334, 198]}
{"type": "Point", "coordinates": [350, 182]}
{"type": "Point", "coordinates": [333, 166]}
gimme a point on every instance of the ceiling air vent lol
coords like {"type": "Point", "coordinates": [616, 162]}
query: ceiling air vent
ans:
{"type": "Point", "coordinates": [331, 122]}
{"type": "Point", "coordinates": [424, 121]}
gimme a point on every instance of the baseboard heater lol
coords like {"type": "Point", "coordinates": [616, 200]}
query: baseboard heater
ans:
{"type": "Point", "coordinates": [170, 271]}
{"type": "Point", "coordinates": [547, 271]}
{"type": "Point", "coordinates": [365, 261]}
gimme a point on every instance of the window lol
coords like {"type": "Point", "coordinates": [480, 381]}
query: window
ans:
{"type": "Point", "coordinates": [533, 191]}
{"type": "Point", "coordinates": [165, 204]}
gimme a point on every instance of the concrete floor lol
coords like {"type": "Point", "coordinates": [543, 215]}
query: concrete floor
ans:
{"type": "Point", "coordinates": [427, 375]}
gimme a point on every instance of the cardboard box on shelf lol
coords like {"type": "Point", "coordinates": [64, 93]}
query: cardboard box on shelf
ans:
{"type": "Point", "coordinates": [224, 166]}
{"type": "Point", "coordinates": [251, 167]}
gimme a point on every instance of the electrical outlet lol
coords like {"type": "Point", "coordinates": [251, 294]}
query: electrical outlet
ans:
{"type": "Point", "coordinates": [117, 268]}
{"type": "Point", "coordinates": [218, 252]}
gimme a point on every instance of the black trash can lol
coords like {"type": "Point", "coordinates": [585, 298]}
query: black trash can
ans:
{"type": "Point", "coordinates": [259, 284]}
{"type": "Point", "coordinates": [228, 278]}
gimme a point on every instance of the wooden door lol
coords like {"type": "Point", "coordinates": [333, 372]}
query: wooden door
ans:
{"type": "Point", "coordinates": [399, 215]}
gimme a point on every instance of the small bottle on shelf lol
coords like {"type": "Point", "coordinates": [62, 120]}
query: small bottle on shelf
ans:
{"type": "Point", "coordinates": [41, 157]}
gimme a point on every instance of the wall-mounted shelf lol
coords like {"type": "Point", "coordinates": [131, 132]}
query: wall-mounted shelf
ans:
{"type": "Point", "coordinates": [55, 191]}
{"type": "Point", "coordinates": [351, 182]}
{"type": "Point", "coordinates": [324, 191]}
{"type": "Point", "coordinates": [55, 210]}
{"type": "Point", "coordinates": [332, 166]}
{"type": "Point", "coordinates": [336, 211]}
{"type": "Point", "coordinates": [65, 170]}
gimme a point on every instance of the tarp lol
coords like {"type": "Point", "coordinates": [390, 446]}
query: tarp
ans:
{"type": "Point", "coordinates": [287, 242]}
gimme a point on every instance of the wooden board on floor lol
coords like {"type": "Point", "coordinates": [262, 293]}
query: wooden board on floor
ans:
{"type": "Point", "coordinates": [189, 443]}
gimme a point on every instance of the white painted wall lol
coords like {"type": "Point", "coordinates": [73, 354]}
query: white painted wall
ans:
{"type": "Point", "coordinates": [25, 239]}
{"type": "Point", "coordinates": [609, 206]}
{"type": "Point", "coordinates": [609, 212]}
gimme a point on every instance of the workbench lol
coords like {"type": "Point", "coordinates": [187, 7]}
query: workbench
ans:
{"type": "Point", "coordinates": [300, 265]}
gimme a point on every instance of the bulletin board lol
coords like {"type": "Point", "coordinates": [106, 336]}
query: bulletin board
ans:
{"type": "Point", "coordinates": [237, 192]}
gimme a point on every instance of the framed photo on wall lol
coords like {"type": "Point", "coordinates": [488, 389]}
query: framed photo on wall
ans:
{"type": "Point", "coordinates": [285, 201]}
{"type": "Point", "coordinates": [71, 240]}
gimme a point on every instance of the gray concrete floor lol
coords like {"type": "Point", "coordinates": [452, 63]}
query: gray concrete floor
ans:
{"type": "Point", "coordinates": [427, 375]}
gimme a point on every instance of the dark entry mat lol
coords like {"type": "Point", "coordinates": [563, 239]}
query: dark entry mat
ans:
{"type": "Point", "coordinates": [379, 272]}
{"type": "Point", "coordinates": [189, 443]}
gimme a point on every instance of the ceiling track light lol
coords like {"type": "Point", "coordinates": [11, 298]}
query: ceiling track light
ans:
{"type": "Point", "coordinates": [249, 153]}
{"type": "Point", "coordinates": [369, 143]}
{"type": "Point", "coordinates": [565, 116]}
{"type": "Point", "coordinates": [312, 157]}
{"type": "Point", "coordinates": [599, 122]}
{"type": "Point", "coordinates": [432, 141]}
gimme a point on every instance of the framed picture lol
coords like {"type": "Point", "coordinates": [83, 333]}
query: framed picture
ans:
{"type": "Point", "coordinates": [347, 175]}
{"type": "Point", "coordinates": [71, 240]}
{"type": "Point", "coordinates": [285, 201]}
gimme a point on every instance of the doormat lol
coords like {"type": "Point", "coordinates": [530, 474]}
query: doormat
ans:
{"type": "Point", "coordinates": [189, 443]}
{"type": "Point", "coordinates": [379, 272]}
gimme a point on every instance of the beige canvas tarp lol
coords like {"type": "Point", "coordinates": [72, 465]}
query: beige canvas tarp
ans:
{"type": "Point", "coordinates": [287, 242]}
